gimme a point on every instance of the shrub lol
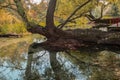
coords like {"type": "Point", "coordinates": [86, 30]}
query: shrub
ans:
{"type": "Point", "coordinates": [17, 28]}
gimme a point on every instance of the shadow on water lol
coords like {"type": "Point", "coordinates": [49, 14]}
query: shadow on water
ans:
{"type": "Point", "coordinates": [23, 62]}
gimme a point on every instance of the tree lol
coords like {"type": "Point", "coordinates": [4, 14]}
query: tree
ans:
{"type": "Point", "coordinates": [62, 40]}
{"type": "Point", "coordinates": [115, 11]}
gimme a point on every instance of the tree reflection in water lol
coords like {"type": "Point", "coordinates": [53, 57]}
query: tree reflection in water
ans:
{"type": "Point", "coordinates": [88, 65]}
{"type": "Point", "coordinates": [55, 70]}
{"type": "Point", "coordinates": [39, 64]}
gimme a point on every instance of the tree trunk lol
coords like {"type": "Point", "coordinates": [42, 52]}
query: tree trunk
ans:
{"type": "Point", "coordinates": [75, 39]}
{"type": "Point", "coordinates": [50, 14]}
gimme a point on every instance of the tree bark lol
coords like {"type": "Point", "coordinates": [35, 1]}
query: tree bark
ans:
{"type": "Point", "coordinates": [50, 14]}
{"type": "Point", "coordinates": [75, 39]}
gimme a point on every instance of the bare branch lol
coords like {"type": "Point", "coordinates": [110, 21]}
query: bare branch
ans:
{"type": "Point", "coordinates": [74, 18]}
{"type": "Point", "coordinates": [77, 16]}
{"type": "Point", "coordinates": [91, 17]}
{"type": "Point", "coordinates": [73, 13]}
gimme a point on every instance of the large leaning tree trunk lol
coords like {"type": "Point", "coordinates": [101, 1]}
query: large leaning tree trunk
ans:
{"type": "Point", "coordinates": [61, 40]}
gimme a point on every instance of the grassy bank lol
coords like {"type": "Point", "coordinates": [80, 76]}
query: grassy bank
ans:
{"type": "Point", "coordinates": [17, 28]}
{"type": "Point", "coordinates": [9, 41]}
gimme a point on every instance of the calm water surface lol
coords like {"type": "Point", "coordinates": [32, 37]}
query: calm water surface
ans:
{"type": "Point", "coordinates": [18, 61]}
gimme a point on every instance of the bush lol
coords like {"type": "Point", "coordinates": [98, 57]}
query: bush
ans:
{"type": "Point", "coordinates": [17, 28]}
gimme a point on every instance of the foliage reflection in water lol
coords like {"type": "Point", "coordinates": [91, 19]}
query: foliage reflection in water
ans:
{"type": "Point", "coordinates": [22, 62]}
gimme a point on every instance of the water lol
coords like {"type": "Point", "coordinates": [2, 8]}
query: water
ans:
{"type": "Point", "coordinates": [87, 64]}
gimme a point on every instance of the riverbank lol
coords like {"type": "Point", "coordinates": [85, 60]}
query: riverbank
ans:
{"type": "Point", "coordinates": [8, 41]}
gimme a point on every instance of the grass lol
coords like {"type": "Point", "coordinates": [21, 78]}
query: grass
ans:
{"type": "Point", "coordinates": [8, 41]}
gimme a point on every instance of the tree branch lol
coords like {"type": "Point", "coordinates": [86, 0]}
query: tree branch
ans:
{"type": "Point", "coordinates": [31, 27]}
{"type": "Point", "coordinates": [101, 12]}
{"type": "Point", "coordinates": [21, 11]}
{"type": "Point", "coordinates": [77, 16]}
{"type": "Point", "coordinates": [91, 17]}
{"type": "Point", "coordinates": [73, 13]}
{"type": "Point", "coordinates": [72, 19]}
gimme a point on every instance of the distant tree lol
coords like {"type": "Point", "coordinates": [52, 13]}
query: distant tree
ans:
{"type": "Point", "coordinates": [115, 10]}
